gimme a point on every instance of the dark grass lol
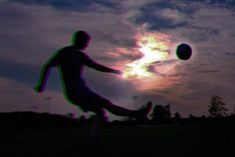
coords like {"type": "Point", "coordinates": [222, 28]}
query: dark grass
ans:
{"type": "Point", "coordinates": [207, 139]}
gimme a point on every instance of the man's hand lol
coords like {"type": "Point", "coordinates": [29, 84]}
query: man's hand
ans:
{"type": "Point", "coordinates": [38, 89]}
{"type": "Point", "coordinates": [118, 72]}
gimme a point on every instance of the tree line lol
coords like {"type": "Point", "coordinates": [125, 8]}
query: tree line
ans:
{"type": "Point", "coordinates": [216, 109]}
{"type": "Point", "coordinates": [161, 114]}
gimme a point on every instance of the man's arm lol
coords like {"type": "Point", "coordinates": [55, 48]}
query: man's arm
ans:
{"type": "Point", "coordinates": [92, 64]}
{"type": "Point", "coordinates": [45, 71]}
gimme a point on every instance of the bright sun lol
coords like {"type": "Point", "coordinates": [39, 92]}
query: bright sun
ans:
{"type": "Point", "coordinates": [155, 48]}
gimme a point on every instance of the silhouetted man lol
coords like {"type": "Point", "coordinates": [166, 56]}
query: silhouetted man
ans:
{"type": "Point", "coordinates": [70, 61]}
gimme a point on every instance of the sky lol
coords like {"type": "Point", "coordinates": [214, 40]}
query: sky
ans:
{"type": "Point", "coordinates": [32, 30]}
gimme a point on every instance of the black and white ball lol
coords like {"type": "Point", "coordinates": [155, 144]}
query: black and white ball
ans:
{"type": "Point", "coordinates": [184, 51]}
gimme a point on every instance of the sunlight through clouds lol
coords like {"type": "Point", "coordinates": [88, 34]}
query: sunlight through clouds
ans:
{"type": "Point", "coordinates": [138, 37]}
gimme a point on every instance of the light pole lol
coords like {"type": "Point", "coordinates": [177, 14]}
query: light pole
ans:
{"type": "Point", "coordinates": [34, 108]}
{"type": "Point", "coordinates": [47, 106]}
{"type": "Point", "coordinates": [135, 97]}
{"type": "Point", "coordinates": [233, 109]}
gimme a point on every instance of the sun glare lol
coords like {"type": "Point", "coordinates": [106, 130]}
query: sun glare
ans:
{"type": "Point", "coordinates": [154, 48]}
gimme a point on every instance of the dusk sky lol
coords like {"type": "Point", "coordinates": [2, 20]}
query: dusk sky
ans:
{"type": "Point", "coordinates": [32, 30]}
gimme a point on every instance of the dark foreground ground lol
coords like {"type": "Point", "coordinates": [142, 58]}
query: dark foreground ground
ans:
{"type": "Point", "coordinates": [212, 139]}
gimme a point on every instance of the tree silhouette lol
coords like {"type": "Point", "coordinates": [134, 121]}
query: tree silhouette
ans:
{"type": "Point", "coordinates": [158, 113]}
{"type": "Point", "coordinates": [217, 107]}
{"type": "Point", "coordinates": [177, 115]}
{"type": "Point", "coordinates": [161, 113]}
{"type": "Point", "coordinates": [168, 111]}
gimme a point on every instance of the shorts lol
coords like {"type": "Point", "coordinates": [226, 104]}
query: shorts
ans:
{"type": "Point", "coordinates": [87, 100]}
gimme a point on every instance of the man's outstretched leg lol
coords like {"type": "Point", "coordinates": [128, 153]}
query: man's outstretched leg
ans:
{"type": "Point", "coordinates": [99, 118]}
{"type": "Point", "coordinates": [120, 111]}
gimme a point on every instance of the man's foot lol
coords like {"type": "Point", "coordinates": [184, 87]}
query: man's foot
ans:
{"type": "Point", "coordinates": [143, 112]}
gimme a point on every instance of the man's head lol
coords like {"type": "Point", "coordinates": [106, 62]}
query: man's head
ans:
{"type": "Point", "coordinates": [81, 39]}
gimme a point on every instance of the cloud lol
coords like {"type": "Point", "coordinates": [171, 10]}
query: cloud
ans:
{"type": "Point", "coordinates": [19, 72]}
{"type": "Point", "coordinates": [24, 37]}
{"type": "Point", "coordinates": [136, 4]}
{"type": "Point", "coordinates": [16, 96]}
{"type": "Point", "coordinates": [27, 74]}
{"type": "Point", "coordinates": [47, 28]}
{"type": "Point", "coordinates": [173, 15]}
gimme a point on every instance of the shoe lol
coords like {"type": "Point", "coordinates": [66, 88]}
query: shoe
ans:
{"type": "Point", "coordinates": [144, 111]}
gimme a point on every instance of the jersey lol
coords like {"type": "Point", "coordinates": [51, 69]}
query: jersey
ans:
{"type": "Point", "coordinates": [71, 62]}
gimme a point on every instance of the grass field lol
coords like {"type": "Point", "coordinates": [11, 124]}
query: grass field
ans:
{"type": "Point", "coordinates": [214, 139]}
